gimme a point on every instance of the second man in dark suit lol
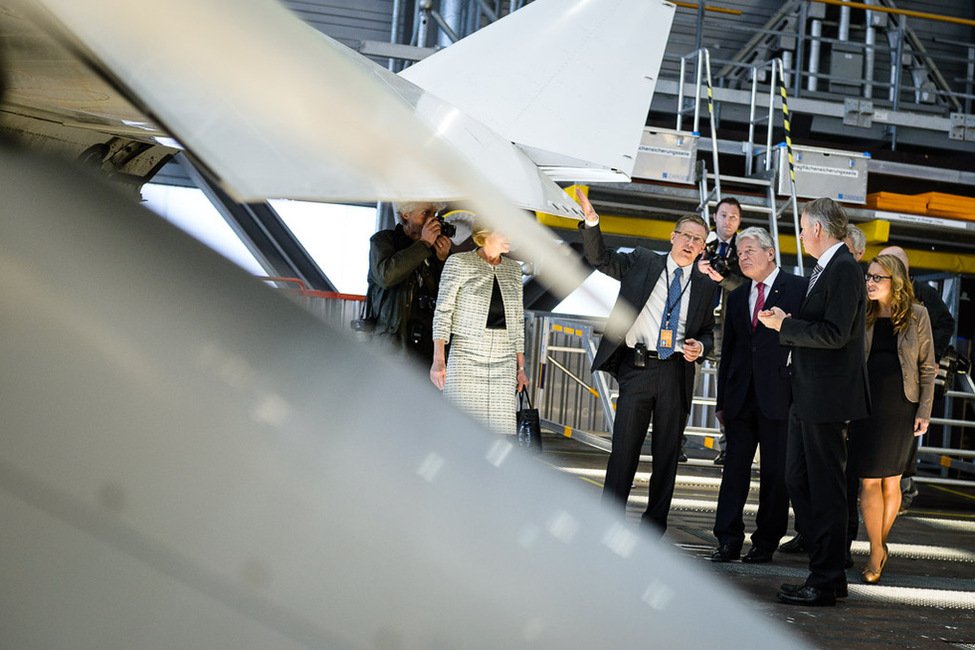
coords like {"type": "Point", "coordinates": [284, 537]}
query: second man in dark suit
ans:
{"type": "Point", "coordinates": [663, 322]}
{"type": "Point", "coordinates": [829, 387]}
{"type": "Point", "coordinates": [753, 401]}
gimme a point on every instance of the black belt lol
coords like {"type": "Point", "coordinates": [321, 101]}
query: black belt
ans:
{"type": "Point", "coordinates": [653, 354]}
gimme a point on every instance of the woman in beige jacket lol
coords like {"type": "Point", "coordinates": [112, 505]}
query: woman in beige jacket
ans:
{"type": "Point", "coordinates": [480, 310]}
{"type": "Point", "coordinates": [900, 363]}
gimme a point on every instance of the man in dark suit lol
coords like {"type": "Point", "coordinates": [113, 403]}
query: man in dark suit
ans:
{"type": "Point", "coordinates": [663, 322]}
{"type": "Point", "coordinates": [829, 387]}
{"type": "Point", "coordinates": [753, 401]}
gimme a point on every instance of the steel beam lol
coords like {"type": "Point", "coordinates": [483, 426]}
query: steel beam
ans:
{"type": "Point", "coordinates": [263, 231]}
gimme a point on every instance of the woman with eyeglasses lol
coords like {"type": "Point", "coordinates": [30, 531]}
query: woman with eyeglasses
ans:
{"type": "Point", "coordinates": [900, 363]}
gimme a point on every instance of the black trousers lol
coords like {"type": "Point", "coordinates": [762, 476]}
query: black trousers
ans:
{"type": "Point", "coordinates": [748, 430]}
{"type": "Point", "coordinates": [816, 479]}
{"type": "Point", "coordinates": [651, 393]}
{"type": "Point", "coordinates": [852, 502]}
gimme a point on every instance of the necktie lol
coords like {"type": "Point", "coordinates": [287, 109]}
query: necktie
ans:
{"type": "Point", "coordinates": [815, 276]}
{"type": "Point", "coordinates": [671, 316]}
{"type": "Point", "coordinates": [758, 304]}
{"type": "Point", "coordinates": [722, 249]}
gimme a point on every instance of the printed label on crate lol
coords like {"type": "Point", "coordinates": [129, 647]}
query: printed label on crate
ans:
{"type": "Point", "coordinates": [832, 171]}
{"type": "Point", "coordinates": [917, 218]}
{"type": "Point", "coordinates": [663, 151]}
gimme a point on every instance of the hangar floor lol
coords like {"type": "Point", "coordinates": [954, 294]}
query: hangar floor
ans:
{"type": "Point", "coordinates": [926, 597]}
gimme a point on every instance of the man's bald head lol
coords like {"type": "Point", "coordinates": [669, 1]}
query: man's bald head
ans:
{"type": "Point", "coordinates": [899, 253]}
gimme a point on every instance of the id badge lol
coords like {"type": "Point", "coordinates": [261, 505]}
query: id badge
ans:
{"type": "Point", "coordinates": [666, 339]}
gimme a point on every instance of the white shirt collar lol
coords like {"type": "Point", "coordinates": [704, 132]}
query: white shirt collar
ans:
{"type": "Point", "coordinates": [828, 255]}
{"type": "Point", "coordinates": [768, 281]}
{"type": "Point", "coordinates": [672, 266]}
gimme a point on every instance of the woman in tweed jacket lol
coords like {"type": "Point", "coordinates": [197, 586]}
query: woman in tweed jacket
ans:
{"type": "Point", "coordinates": [480, 310]}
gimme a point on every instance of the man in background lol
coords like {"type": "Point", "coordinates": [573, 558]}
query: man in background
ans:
{"type": "Point", "coordinates": [405, 263]}
{"type": "Point", "coordinates": [720, 263]}
{"type": "Point", "coordinates": [856, 241]}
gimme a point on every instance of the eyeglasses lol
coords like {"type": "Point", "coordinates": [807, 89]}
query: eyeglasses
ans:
{"type": "Point", "coordinates": [690, 239]}
{"type": "Point", "coordinates": [876, 278]}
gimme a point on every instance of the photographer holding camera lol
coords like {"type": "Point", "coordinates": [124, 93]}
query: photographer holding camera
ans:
{"type": "Point", "coordinates": [719, 261]}
{"type": "Point", "coordinates": [720, 258]}
{"type": "Point", "coordinates": [405, 264]}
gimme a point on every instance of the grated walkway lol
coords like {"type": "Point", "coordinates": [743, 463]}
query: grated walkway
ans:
{"type": "Point", "coordinates": [926, 597]}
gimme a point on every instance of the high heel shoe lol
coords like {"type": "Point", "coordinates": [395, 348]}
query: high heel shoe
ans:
{"type": "Point", "coordinates": [872, 576]}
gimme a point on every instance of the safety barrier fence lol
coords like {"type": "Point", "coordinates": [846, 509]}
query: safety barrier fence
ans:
{"type": "Point", "coordinates": [336, 308]}
{"type": "Point", "coordinates": [574, 403]}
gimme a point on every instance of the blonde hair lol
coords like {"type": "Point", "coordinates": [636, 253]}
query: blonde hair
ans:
{"type": "Point", "coordinates": [901, 293]}
{"type": "Point", "coordinates": [480, 232]}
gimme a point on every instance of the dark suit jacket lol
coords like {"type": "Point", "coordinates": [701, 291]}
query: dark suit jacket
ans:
{"type": "Point", "coordinates": [757, 355]}
{"type": "Point", "coordinates": [829, 371]}
{"type": "Point", "coordinates": [942, 322]}
{"type": "Point", "coordinates": [638, 273]}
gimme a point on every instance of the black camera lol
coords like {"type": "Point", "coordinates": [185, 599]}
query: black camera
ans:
{"type": "Point", "coordinates": [719, 265]}
{"type": "Point", "coordinates": [426, 303]}
{"type": "Point", "coordinates": [448, 230]}
{"type": "Point", "coordinates": [717, 262]}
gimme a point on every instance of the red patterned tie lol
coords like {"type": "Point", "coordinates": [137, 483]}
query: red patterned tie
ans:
{"type": "Point", "coordinates": [758, 304]}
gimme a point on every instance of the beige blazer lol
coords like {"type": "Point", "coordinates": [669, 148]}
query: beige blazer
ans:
{"type": "Point", "coordinates": [465, 298]}
{"type": "Point", "coordinates": [915, 349]}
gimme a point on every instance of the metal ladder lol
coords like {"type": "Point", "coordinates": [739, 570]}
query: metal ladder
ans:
{"type": "Point", "coordinates": [765, 178]}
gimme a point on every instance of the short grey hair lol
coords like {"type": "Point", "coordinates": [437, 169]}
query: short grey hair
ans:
{"type": "Point", "coordinates": [829, 214]}
{"type": "Point", "coordinates": [758, 234]}
{"type": "Point", "coordinates": [857, 238]}
{"type": "Point", "coordinates": [406, 207]}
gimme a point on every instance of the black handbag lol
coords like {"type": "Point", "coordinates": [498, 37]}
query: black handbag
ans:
{"type": "Point", "coordinates": [529, 426]}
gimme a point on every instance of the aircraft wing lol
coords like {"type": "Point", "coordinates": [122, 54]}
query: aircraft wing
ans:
{"type": "Point", "coordinates": [274, 109]}
{"type": "Point", "coordinates": [569, 81]}
{"type": "Point", "coordinates": [180, 471]}
{"type": "Point", "coordinates": [55, 102]}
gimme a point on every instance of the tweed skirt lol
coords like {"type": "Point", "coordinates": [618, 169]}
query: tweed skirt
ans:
{"type": "Point", "coordinates": [482, 377]}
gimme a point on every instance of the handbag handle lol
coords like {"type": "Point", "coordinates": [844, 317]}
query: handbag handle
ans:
{"type": "Point", "coordinates": [523, 394]}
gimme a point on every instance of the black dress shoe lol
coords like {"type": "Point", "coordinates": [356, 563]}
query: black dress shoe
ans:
{"type": "Point", "coordinates": [725, 553]}
{"type": "Point", "coordinates": [719, 459]}
{"type": "Point", "coordinates": [681, 456]}
{"type": "Point", "coordinates": [807, 595]}
{"type": "Point", "coordinates": [795, 545]}
{"type": "Point", "coordinates": [758, 555]}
